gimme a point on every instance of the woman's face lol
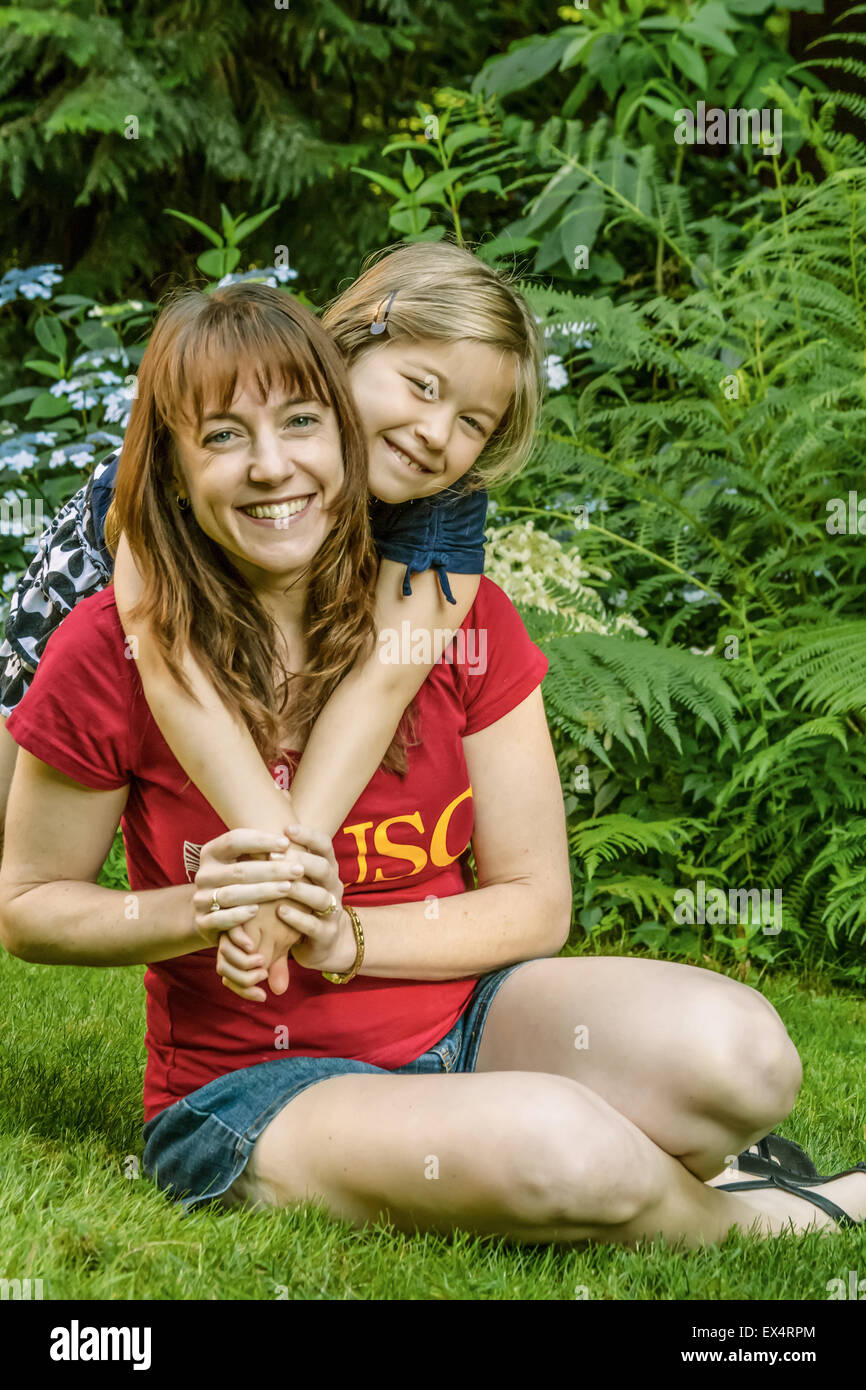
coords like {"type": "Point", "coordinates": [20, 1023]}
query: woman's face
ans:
{"type": "Point", "coordinates": [435, 404]}
{"type": "Point", "coordinates": [285, 456]}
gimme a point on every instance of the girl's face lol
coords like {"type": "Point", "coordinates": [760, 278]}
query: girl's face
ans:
{"type": "Point", "coordinates": [284, 456]}
{"type": "Point", "coordinates": [428, 409]}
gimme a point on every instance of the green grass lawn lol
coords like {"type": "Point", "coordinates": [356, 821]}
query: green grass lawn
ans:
{"type": "Point", "coordinates": [71, 1063]}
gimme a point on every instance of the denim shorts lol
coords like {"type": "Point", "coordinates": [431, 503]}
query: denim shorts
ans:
{"type": "Point", "coordinates": [196, 1148]}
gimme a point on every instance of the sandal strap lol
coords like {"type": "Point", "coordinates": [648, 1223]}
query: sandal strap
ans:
{"type": "Point", "coordinates": [778, 1155]}
{"type": "Point", "coordinates": [816, 1198]}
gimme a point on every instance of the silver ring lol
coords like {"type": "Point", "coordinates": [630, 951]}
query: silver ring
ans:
{"type": "Point", "coordinates": [329, 911]}
{"type": "Point", "coordinates": [215, 905]}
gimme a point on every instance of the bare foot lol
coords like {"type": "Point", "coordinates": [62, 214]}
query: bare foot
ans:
{"type": "Point", "coordinates": [781, 1213]}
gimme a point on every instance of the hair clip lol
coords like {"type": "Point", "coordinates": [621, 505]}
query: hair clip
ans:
{"type": "Point", "coordinates": [379, 325]}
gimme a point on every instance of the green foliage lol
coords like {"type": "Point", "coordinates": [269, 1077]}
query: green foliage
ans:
{"type": "Point", "coordinates": [605, 689]}
{"type": "Point", "coordinates": [226, 256]}
{"type": "Point", "coordinates": [715, 439]}
{"type": "Point", "coordinates": [625, 72]}
{"type": "Point", "coordinates": [110, 110]}
{"type": "Point", "coordinates": [463, 136]}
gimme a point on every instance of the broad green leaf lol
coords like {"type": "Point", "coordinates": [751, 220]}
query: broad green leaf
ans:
{"type": "Point", "coordinates": [97, 337]}
{"type": "Point", "coordinates": [47, 407]}
{"type": "Point", "coordinates": [416, 146]}
{"type": "Point", "coordinates": [446, 178]}
{"type": "Point", "coordinates": [485, 183]}
{"type": "Point", "coordinates": [412, 220]}
{"type": "Point", "coordinates": [251, 224]}
{"type": "Point", "coordinates": [689, 61]}
{"type": "Point", "coordinates": [662, 21]}
{"type": "Point", "coordinates": [412, 174]}
{"type": "Point", "coordinates": [228, 222]}
{"type": "Point", "coordinates": [464, 135]}
{"type": "Point", "coordinates": [50, 335]}
{"type": "Point", "coordinates": [46, 368]}
{"type": "Point", "coordinates": [661, 108]}
{"type": "Point", "coordinates": [218, 263]}
{"type": "Point", "coordinates": [502, 246]}
{"type": "Point", "coordinates": [580, 226]}
{"type": "Point", "coordinates": [707, 27]}
{"type": "Point", "coordinates": [431, 234]}
{"type": "Point", "coordinates": [390, 185]}
{"type": "Point", "coordinates": [24, 393]}
{"type": "Point", "coordinates": [524, 63]}
{"type": "Point", "coordinates": [574, 50]}
{"type": "Point", "coordinates": [202, 227]}
{"type": "Point", "coordinates": [68, 300]}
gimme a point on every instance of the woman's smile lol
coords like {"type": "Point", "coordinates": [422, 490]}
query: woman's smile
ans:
{"type": "Point", "coordinates": [279, 514]}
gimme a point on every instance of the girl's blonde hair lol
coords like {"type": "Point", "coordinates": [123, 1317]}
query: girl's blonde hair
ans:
{"type": "Point", "coordinates": [444, 292]}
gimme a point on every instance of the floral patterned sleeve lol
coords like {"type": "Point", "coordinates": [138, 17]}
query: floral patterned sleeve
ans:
{"type": "Point", "coordinates": [71, 563]}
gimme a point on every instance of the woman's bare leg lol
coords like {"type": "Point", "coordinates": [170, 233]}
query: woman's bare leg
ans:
{"type": "Point", "coordinates": [519, 1154]}
{"type": "Point", "coordinates": [8, 757]}
{"type": "Point", "coordinates": [702, 1064]}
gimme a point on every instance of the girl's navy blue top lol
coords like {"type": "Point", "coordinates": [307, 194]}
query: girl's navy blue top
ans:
{"type": "Point", "coordinates": [444, 532]}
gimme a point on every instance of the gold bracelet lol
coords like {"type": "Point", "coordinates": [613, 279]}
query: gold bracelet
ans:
{"type": "Point", "coordinates": [331, 975]}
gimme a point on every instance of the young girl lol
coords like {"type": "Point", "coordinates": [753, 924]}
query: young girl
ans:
{"type": "Point", "coordinates": [444, 364]}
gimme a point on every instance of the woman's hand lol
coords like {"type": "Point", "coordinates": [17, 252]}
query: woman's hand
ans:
{"type": "Point", "coordinates": [240, 884]}
{"type": "Point", "coordinates": [326, 943]}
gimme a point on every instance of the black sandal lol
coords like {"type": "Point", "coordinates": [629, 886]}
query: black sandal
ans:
{"type": "Point", "coordinates": [775, 1180]}
{"type": "Point", "coordinates": [777, 1155]}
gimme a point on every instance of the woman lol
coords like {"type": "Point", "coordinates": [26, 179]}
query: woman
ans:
{"type": "Point", "coordinates": [465, 1077]}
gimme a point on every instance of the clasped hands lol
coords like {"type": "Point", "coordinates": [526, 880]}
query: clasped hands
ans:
{"type": "Point", "coordinates": [308, 877]}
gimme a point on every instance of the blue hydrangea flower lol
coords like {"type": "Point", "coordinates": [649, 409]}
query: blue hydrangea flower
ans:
{"type": "Point", "coordinates": [33, 283]}
{"type": "Point", "coordinates": [19, 461]}
{"type": "Point", "coordinates": [118, 405]}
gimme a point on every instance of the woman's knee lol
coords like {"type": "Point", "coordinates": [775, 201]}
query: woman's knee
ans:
{"type": "Point", "coordinates": [746, 1066]}
{"type": "Point", "coordinates": [586, 1164]}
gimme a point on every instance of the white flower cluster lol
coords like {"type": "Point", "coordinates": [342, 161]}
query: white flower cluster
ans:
{"type": "Point", "coordinates": [557, 376]}
{"type": "Point", "coordinates": [271, 275]}
{"type": "Point", "coordinates": [577, 333]}
{"type": "Point", "coordinates": [535, 569]}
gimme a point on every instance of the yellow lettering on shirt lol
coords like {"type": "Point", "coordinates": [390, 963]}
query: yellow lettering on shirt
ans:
{"type": "Point", "coordinates": [439, 842]}
{"type": "Point", "coordinates": [411, 853]}
{"type": "Point", "coordinates": [360, 833]}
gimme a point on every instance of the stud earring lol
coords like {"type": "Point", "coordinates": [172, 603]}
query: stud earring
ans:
{"type": "Point", "coordinates": [182, 502]}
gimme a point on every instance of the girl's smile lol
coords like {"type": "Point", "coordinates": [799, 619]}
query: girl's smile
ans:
{"type": "Point", "coordinates": [428, 410]}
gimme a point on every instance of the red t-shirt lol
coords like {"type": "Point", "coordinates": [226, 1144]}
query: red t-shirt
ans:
{"type": "Point", "coordinates": [86, 715]}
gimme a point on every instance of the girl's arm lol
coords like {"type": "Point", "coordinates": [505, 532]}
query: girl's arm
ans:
{"type": "Point", "coordinates": [214, 748]}
{"type": "Point", "coordinates": [354, 731]}
{"type": "Point", "coordinates": [351, 735]}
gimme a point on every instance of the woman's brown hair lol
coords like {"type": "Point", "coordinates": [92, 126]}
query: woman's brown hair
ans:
{"type": "Point", "coordinates": [201, 347]}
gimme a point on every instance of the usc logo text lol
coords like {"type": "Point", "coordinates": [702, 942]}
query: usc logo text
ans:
{"type": "Point", "coordinates": [415, 854]}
